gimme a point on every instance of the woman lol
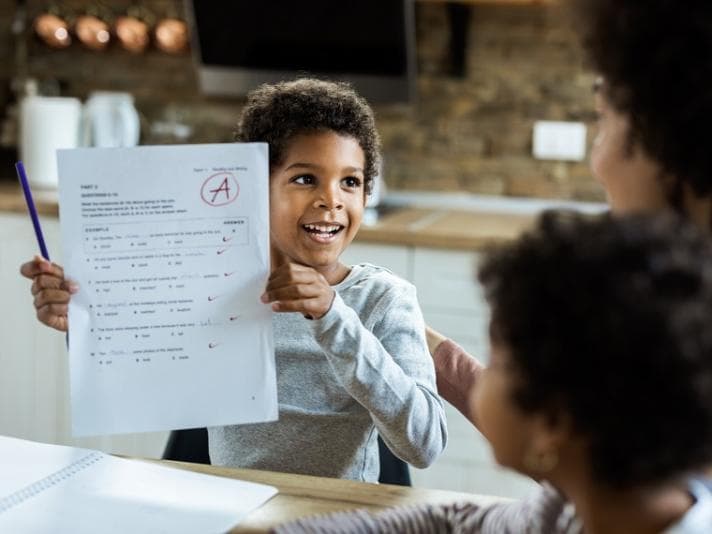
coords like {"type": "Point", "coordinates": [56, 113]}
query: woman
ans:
{"type": "Point", "coordinates": [654, 107]}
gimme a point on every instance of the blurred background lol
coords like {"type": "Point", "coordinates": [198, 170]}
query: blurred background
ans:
{"type": "Point", "coordinates": [484, 107]}
{"type": "Point", "coordinates": [485, 72]}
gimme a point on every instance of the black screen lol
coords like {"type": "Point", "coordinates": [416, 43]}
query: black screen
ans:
{"type": "Point", "coordinates": [325, 36]}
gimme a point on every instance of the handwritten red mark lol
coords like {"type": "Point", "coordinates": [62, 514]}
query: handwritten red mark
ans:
{"type": "Point", "coordinates": [223, 188]}
{"type": "Point", "coordinates": [213, 345]}
{"type": "Point", "coordinates": [227, 238]}
{"type": "Point", "coordinates": [234, 317]}
{"type": "Point", "coordinates": [212, 297]}
{"type": "Point", "coordinates": [223, 250]}
{"type": "Point", "coordinates": [230, 274]}
{"type": "Point", "coordinates": [220, 189]}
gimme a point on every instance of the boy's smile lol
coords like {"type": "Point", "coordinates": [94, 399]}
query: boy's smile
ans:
{"type": "Point", "coordinates": [317, 198]}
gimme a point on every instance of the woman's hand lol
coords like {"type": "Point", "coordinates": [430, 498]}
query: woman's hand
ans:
{"type": "Point", "coordinates": [51, 291]}
{"type": "Point", "coordinates": [298, 288]}
{"type": "Point", "coordinates": [434, 338]}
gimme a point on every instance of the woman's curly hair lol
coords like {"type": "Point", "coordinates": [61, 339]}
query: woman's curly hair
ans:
{"type": "Point", "coordinates": [276, 113]}
{"type": "Point", "coordinates": [655, 58]}
{"type": "Point", "coordinates": [610, 320]}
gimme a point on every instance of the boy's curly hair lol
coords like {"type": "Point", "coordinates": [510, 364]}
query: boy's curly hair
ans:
{"type": "Point", "coordinates": [654, 57]}
{"type": "Point", "coordinates": [610, 320]}
{"type": "Point", "coordinates": [275, 113]}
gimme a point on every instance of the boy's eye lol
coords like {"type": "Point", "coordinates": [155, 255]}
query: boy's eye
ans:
{"type": "Point", "coordinates": [352, 182]}
{"type": "Point", "coordinates": [304, 179]}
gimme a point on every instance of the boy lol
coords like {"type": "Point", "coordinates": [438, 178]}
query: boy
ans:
{"type": "Point", "coordinates": [351, 357]}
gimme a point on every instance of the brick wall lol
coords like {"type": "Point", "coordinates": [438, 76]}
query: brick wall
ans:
{"type": "Point", "coordinates": [470, 130]}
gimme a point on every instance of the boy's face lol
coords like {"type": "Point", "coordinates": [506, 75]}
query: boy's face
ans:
{"type": "Point", "coordinates": [512, 433]}
{"type": "Point", "coordinates": [317, 198]}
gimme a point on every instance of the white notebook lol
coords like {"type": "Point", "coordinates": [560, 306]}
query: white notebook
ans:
{"type": "Point", "coordinates": [51, 488]}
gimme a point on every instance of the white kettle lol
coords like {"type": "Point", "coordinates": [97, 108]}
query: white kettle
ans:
{"type": "Point", "coordinates": [111, 120]}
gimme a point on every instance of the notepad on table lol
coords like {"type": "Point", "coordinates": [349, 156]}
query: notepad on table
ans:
{"type": "Point", "coordinates": [52, 488]}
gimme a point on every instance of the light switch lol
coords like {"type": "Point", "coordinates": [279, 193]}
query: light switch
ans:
{"type": "Point", "coordinates": [557, 140]}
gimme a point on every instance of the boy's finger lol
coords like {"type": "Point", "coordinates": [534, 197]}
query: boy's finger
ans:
{"type": "Point", "coordinates": [39, 265]}
{"type": "Point", "coordinates": [277, 259]}
{"type": "Point", "coordinates": [292, 292]}
{"type": "Point", "coordinates": [42, 282]}
{"type": "Point", "coordinates": [53, 310]}
{"type": "Point", "coordinates": [47, 316]}
{"type": "Point", "coordinates": [310, 308]}
{"type": "Point", "coordinates": [51, 296]}
{"type": "Point", "coordinates": [290, 305]}
{"type": "Point", "coordinates": [289, 275]}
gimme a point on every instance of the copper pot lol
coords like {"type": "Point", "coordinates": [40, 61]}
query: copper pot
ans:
{"type": "Point", "coordinates": [93, 32]}
{"type": "Point", "coordinates": [171, 35]}
{"type": "Point", "coordinates": [132, 33]}
{"type": "Point", "coordinates": [53, 30]}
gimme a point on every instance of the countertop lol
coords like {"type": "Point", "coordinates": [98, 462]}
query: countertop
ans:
{"type": "Point", "coordinates": [454, 226]}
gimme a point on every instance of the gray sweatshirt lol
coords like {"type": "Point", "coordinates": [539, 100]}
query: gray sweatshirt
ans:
{"type": "Point", "coordinates": [361, 370]}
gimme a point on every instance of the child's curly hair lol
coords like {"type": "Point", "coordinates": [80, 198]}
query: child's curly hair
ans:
{"type": "Point", "coordinates": [610, 320]}
{"type": "Point", "coordinates": [275, 113]}
{"type": "Point", "coordinates": [654, 57]}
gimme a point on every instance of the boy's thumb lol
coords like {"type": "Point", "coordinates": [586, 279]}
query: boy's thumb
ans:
{"type": "Point", "coordinates": [277, 258]}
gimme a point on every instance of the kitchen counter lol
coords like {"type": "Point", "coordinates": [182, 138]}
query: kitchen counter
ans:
{"type": "Point", "coordinates": [444, 228]}
{"type": "Point", "coordinates": [12, 200]}
{"type": "Point", "coordinates": [428, 226]}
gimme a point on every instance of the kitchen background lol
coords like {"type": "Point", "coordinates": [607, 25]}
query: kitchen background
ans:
{"type": "Point", "coordinates": [470, 128]}
{"type": "Point", "coordinates": [480, 90]}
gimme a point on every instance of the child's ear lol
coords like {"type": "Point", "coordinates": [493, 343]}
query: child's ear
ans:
{"type": "Point", "coordinates": [552, 429]}
{"type": "Point", "coordinates": [551, 432]}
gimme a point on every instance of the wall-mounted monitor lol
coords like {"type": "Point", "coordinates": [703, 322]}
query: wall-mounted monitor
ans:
{"type": "Point", "coordinates": [242, 43]}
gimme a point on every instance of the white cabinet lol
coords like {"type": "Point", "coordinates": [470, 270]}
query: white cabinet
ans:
{"type": "Point", "coordinates": [453, 303]}
{"type": "Point", "coordinates": [34, 377]}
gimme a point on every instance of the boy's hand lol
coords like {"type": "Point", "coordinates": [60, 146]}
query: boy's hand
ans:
{"type": "Point", "coordinates": [51, 291]}
{"type": "Point", "coordinates": [298, 288]}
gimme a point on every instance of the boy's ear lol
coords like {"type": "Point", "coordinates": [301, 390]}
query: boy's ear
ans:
{"type": "Point", "coordinates": [554, 427]}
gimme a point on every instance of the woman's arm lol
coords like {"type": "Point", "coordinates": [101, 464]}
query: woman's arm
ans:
{"type": "Point", "coordinates": [456, 371]}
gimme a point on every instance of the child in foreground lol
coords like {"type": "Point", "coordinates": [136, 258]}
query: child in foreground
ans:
{"type": "Point", "coordinates": [352, 362]}
{"type": "Point", "coordinates": [599, 384]}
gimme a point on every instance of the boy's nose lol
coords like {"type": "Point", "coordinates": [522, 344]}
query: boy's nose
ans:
{"type": "Point", "coordinates": [329, 200]}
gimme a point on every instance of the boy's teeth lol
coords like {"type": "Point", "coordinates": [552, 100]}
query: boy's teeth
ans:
{"type": "Point", "coordinates": [322, 228]}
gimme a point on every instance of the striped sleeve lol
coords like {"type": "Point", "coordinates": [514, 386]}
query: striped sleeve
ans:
{"type": "Point", "coordinates": [545, 513]}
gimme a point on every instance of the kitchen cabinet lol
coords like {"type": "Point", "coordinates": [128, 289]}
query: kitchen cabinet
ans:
{"type": "Point", "coordinates": [453, 303]}
{"type": "Point", "coordinates": [34, 374]}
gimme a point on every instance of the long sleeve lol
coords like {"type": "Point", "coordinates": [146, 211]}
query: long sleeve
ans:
{"type": "Point", "coordinates": [546, 512]}
{"type": "Point", "coordinates": [457, 373]}
{"type": "Point", "coordinates": [385, 366]}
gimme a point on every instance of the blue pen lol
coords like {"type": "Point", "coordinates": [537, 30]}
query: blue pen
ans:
{"type": "Point", "coordinates": [20, 168]}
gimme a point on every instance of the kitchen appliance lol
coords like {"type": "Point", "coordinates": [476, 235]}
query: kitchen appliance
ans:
{"type": "Point", "coordinates": [111, 120]}
{"type": "Point", "coordinates": [46, 124]}
{"type": "Point", "coordinates": [370, 43]}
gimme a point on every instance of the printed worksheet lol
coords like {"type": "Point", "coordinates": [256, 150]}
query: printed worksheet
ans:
{"type": "Point", "coordinates": [170, 248]}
